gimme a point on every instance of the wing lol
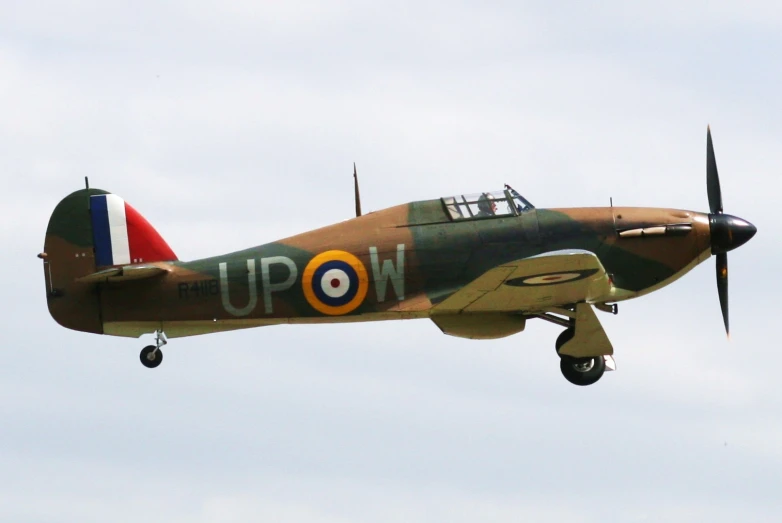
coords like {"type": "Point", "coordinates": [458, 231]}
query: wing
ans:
{"type": "Point", "coordinates": [532, 284]}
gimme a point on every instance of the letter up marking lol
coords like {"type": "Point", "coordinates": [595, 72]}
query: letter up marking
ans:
{"type": "Point", "coordinates": [268, 286]}
{"type": "Point", "coordinates": [251, 287]}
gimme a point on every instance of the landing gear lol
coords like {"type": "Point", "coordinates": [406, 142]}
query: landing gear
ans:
{"type": "Point", "coordinates": [585, 352]}
{"type": "Point", "coordinates": [151, 356]}
{"type": "Point", "coordinates": [582, 371]}
{"type": "Point", "coordinates": [579, 371]}
{"type": "Point", "coordinates": [564, 337]}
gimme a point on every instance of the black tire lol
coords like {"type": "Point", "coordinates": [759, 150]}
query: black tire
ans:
{"type": "Point", "coordinates": [151, 358]}
{"type": "Point", "coordinates": [564, 337]}
{"type": "Point", "coordinates": [582, 371]}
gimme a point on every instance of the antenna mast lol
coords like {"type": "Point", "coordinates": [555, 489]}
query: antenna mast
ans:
{"type": "Point", "coordinates": [355, 188]}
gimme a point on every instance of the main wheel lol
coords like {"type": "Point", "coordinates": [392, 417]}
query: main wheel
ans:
{"type": "Point", "coordinates": [150, 357]}
{"type": "Point", "coordinates": [582, 371]}
{"type": "Point", "coordinates": [564, 337]}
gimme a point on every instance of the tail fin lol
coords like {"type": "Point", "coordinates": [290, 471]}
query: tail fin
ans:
{"type": "Point", "coordinates": [88, 230]}
{"type": "Point", "coordinates": [122, 236]}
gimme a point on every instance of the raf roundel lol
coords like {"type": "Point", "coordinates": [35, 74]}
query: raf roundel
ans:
{"type": "Point", "coordinates": [550, 278]}
{"type": "Point", "coordinates": [335, 282]}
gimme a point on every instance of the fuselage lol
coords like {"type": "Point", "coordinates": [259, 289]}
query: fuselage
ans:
{"type": "Point", "coordinates": [400, 262]}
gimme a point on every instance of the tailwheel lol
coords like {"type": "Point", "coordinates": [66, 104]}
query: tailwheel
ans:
{"type": "Point", "coordinates": [582, 371]}
{"type": "Point", "coordinates": [151, 356]}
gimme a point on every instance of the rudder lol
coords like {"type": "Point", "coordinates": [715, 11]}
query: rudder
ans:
{"type": "Point", "coordinates": [91, 229]}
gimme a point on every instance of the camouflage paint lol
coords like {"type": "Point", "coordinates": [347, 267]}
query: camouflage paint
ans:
{"type": "Point", "coordinates": [407, 258]}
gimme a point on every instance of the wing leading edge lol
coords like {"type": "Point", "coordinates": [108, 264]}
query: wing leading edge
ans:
{"type": "Point", "coordinates": [533, 284]}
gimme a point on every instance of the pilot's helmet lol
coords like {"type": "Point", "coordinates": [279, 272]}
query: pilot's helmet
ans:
{"type": "Point", "coordinates": [486, 203]}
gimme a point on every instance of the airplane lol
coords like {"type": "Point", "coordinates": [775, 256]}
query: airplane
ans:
{"type": "Point", "coordinates": [479, 266]}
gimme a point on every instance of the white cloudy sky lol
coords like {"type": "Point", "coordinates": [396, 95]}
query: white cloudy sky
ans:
{"type": "Point", "coordinates": [234, 125]}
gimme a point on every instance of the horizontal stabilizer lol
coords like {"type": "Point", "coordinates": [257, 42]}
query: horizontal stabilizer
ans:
{"type": "Point", "coordinates": [123, 274]}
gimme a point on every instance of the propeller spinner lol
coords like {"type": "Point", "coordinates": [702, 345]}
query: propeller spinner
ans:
{"type": "Point", "coordinates": [727, 232]}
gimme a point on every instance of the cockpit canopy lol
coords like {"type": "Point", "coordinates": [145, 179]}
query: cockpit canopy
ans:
{"type": "Point", "coordinates": [506, 202]}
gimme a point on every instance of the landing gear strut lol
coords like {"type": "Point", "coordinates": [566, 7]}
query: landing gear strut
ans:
{"type": "Point", "coordinates": [151, 356]}
{"type": "Point", "coordinates": [579, 371]}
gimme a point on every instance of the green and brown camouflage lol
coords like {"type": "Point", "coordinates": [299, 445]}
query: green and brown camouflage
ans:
{"type": "Point", "coordinates": [409, 258]}
{"type": "Point", "coordinates": [478, 266]}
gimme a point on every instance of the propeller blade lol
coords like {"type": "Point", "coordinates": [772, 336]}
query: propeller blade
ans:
{"type": "Point", "coordinates": [712, 178]}
{"type": "Point", "coordinates": [722, 287]}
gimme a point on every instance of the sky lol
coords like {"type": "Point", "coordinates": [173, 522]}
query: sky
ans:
{"type": "Point", "coordinates": [229, 125]}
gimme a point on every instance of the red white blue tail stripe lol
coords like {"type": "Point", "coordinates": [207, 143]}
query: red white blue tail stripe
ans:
{"type": "Point", "coordinates": [110, 230]}
{"type": "Point", "coordinates": [122, 236]}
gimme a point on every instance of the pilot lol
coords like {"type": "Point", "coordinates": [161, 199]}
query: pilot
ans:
{"type": "Point", "coordinates": [486, 206]}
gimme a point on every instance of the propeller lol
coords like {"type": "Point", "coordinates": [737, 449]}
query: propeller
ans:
{"type": "Point", "coordinates": [727, 232]}
{"type": "Point", "coordinates": [712, 177]}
